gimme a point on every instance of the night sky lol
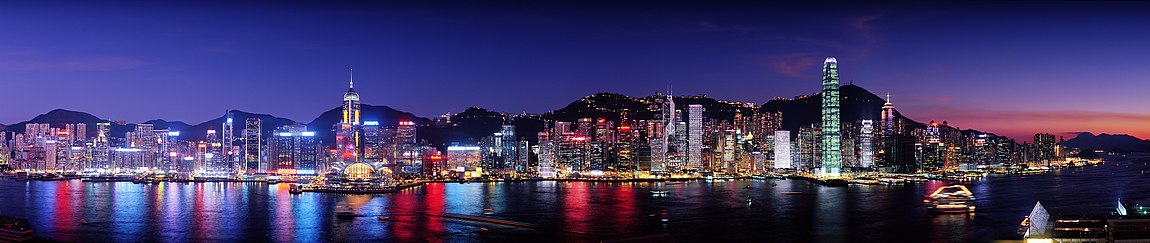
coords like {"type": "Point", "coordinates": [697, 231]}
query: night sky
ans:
{"type": "Point", "coordinates": [1013, 69]}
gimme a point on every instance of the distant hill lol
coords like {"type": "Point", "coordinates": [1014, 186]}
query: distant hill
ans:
{"type": "Point", "coordinates": [60, 117]}
{"type": "Point", "coordinates": [475, 123]}
{"type": "Point", "coordinates": [1120, 143]}
{"type": "Point", "coordinates": [268, 123]}
{"type": "Point", "coordinates": [857, 104]}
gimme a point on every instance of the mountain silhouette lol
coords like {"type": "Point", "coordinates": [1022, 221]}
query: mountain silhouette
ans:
{"type": "Point", "coordinates": [1120, 143]}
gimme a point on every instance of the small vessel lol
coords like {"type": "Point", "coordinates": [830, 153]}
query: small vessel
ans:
{"type": "Point", "coordinates": [345, 215]}
{"type": "Point", "coordinates": [488, 211]}
{"type": "Point", "coordinates": [295, 189]}
{"type": "Point", "coordinates": [748, 187]}
{"type": "Point", "coordinates": [383, 218]}
{"type": "Point", "coordinates": [950, 199]}
{"type": "Point", "coordinates": [273, 179]}
{"type": "Point", "coordinates": [750, 200]}
{"type": "Point", "coordinates": [659, 192]}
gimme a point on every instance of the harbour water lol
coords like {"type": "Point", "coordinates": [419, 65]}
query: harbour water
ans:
{"type": "Point", "coordinates": [695, 211]}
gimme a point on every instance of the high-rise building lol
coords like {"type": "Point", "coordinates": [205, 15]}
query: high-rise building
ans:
{"type": "Point", "coordinates": [252, 149]}
{"type": "Point", "coordinates": [295, 151]}
{"type": "Point", "coordinates": [866, 144]}
{"type": "Point", "coordinates": [889, 123]}
{"type": "Point", "coordinates": [831, 144]}
{"type": "Point", "coordinates": [782, 149]}
{"type": "Point", "coordinates": [101, 146]}
{"type": "Point", "coordinates": [374, 143]}
{"type": "Point", "coordinates": [695, 136]}
{"type": "Point", "coordinates": [546, 156]}
{"type": "Point", "coordinates": [407, 146]}
{"type": "Point", "coordinates": [507, 145]}
{"type": "Point", "coordinates": [227, 141]}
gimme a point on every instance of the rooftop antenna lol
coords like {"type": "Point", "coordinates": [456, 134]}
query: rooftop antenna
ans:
{"type": "Point", "coordinates": [351, 78]}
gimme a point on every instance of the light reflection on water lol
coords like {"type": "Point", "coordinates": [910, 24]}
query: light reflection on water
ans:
{"type": "Point", "coordinates": [697, 211]}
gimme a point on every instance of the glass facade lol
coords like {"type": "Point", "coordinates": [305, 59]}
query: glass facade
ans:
{"type": "Point", "coordinates": [831, 136]}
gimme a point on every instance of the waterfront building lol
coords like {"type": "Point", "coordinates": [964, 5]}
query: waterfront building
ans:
{"type": "Point", "coordinates": [506, 144]}
{"type": "Point", "coordinates": [227, 130]}
{"type": "Point", "coordinates": [695, 137]}
{"type": "Point", "coordinates": [464, 160]}
{"type": "Point", "coordinates": [101, 145]}
{"type": "Point", "coordinates": [782, 149]}
{"type": "Point", "coordinates": [831, 145]}
{"type": "Point", "coordinates": [1044, 149]}
{"type": "Point", "coordinates": [545, 156]}
{"type": "Point", "coordinates": [899, 154]}
{"type": "Point", "coordinates": [374, 142]}
{"type": "Point", "coordinates": [407, 148]}
{"type": "Point", "coordinates": [253, 151]}
{"type": "Point", "coordinates": [295, 151]}
{"type": "Point", "coordinates": [866, 144]}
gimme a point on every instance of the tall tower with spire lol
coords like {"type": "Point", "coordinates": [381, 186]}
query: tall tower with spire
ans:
{"type": "Point", "coordinates": [351, 103]}
{"type": "Point", "coordinates": [347, 131]}
{"type": "Point", "coordinates": [831, 135]}
{"type": "Point", "coordinates": [888, 119]}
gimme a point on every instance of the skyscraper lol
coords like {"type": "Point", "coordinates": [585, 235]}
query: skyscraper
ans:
{"type": "Point", "coordinates": [782, 149]}
{"type": "Point", "coordinates": [695, 136]}
{"type": "Point", "coordinates": [832, 147]}
{"type": "Point", "coordinates": [866, 144]}
{"type": "Point", "coordinates": [347, 131]}
{"type": "Point", "coordinates": [888, 119]}
{"type": "Point", "coordinates": [252, 146]}
{"type": "Point", "coordinates": [227, 139]}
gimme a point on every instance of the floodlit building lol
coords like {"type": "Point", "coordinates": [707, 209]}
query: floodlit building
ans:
{"type": "Point", "coordinates": [831, 145]}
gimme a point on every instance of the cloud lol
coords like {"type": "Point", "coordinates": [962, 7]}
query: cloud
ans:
{"type": "Point", "coordinates": [795, 65]}
{"type": "Point", "coordinates": [71, 64]}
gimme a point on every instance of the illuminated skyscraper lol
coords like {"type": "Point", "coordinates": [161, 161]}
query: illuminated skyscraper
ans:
{"type": "Point", "coordinates": [888, 119]}
{"type": "Point", "coordinates": [351, 104]}
{"type": "Point", "coordinates": [866, 144]}
{"type": "Point", "coordinates": [228, 138]}
{"type": "Point", "coordinates": [695, 136]}
{"type": "Point", "coordinates": [782, 148]}
{"type": "Point", "coordinates": [832, 147]}
{"type": "Point", "coordinates": [101, 144]}
{"type": "Point", "coordinates": [347, 131]}
{"type": "Point", "coordinates": [252, 148]}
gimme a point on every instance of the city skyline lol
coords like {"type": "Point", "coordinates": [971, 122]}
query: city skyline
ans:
{"type": "Point", "coordinates": [503, 48]}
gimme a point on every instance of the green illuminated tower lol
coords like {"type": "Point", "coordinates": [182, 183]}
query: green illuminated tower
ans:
{"type": "Point", "coordinates": [832, 148]}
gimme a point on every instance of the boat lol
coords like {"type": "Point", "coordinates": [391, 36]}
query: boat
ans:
{"type": "Point", "coordinates": [383, 218]}
{"type": "Point", "coordinates": [950, 199]}
{"type": "Point", "coordinates": [659, 192]}
{"type": "Point", "coordinates": [295, 189]}
{"type": "Point", "coordinates": [273, 180]}
{"type": "Point", "coordinates": [835, 182]}
{"type": "Point", "coordinates": [488, 211]}
{"type": "Point", "coordinates": [345, 215]}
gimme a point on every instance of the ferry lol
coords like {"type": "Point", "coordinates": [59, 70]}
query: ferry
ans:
{"type": "Point", "coordinates": [273, 180]}
{"type": "Point", "coordinates": [950, 199]}
{"type": "Point", "coordinates": [295, 189]}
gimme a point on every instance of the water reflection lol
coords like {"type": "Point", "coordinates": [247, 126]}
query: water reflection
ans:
{"type": "Point", "coordinates": [697, 211]}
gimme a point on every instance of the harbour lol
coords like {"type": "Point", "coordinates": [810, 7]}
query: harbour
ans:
{"type": "Point", "coordinates": [787, 209]}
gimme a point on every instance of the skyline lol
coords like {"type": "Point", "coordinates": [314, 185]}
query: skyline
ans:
{"type": "Point", "coordinates": [728, 53]}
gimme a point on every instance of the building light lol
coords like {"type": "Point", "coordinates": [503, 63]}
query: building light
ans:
{"type": "Point", "coordinates": [174, 133]}
{"type": "Point", "coordinates": [285, 134]}
{"type": "Point", "coordinates": [371, 123]}
{"type": "Point", "coordinates": [307, 134]}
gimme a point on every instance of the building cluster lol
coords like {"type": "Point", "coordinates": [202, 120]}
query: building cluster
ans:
{"type": "Point", "coordinates": [678, 140]}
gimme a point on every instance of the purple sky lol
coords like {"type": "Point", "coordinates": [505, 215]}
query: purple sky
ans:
{"type": "Point", "coordinates": [1013, 69]}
